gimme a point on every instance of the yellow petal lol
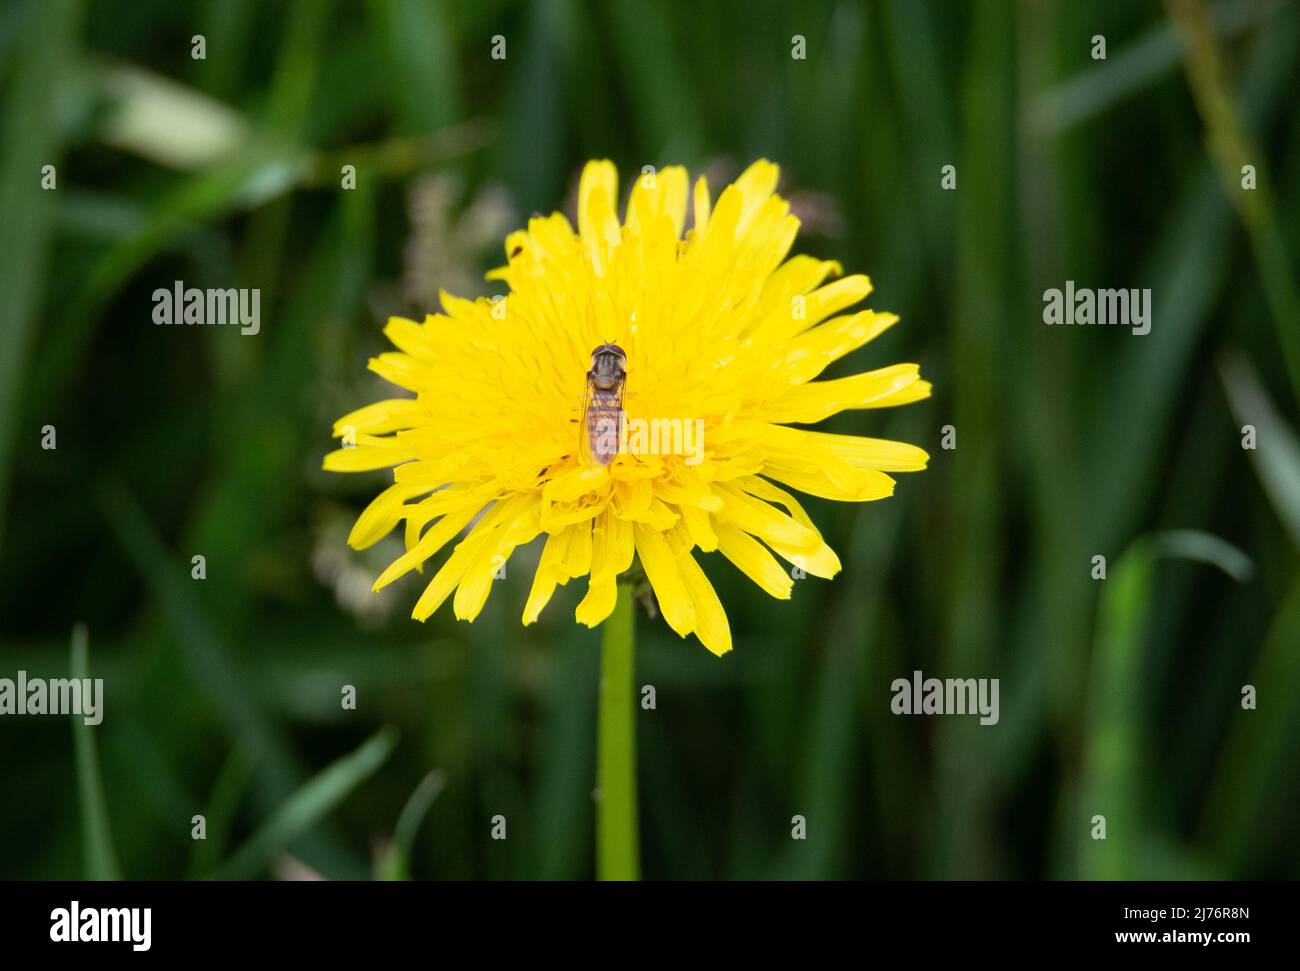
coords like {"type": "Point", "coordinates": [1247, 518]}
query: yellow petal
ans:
{"type": "Point", "coordinates": [412, 338]}
{"type": "Point", "coordinates": [755, 516]}
{"type": "Point", "coordinates": [883, 388]}
{"type": "Point", "coordinates": [832, 480]}
{"type": "Point", "coordinates": [862, 453]}
{"type": "Point", "coordinates": [378, 518]}
{"type": "Point", "coordinates": [598, 604]}
{"type": "Point", "coordinates": [612, 547]}
{"type": "Point", "coordinates": [449, 575]}
{"type": "Point", "coordinates": [701, 204]}
{"type": "Point", "coordinates": [699, 528]}
{"type": "Point", "coordinates": [753, 560]}
{"type": "Point", "coordinates": [797, 275]}
{"type": "Point", "coordinates": [819, 560]}
{"type": "Point", "coordinates": [755, 185]}
{"type": "Point", "coordinates": [365, 458]}
{"type": "Point", "coordinates": [814, 350]}
{"type": "Point", "coordinates": [420, 514]}
{"type": "Point", "coordinates": [547, 576]}
{"type": "Point", "coordinates": [403, 371]}
{"type": "Point", "coordinates": [597, 220]}
{"type": "Point", "coordinates": [439, 535]}
{"type": "Point", "coordinates": [661, 570]}
{"type": "Point", "coordinates": [556, 516]}
{"type": "Point", "coordinates": [656, 195]}
{"type": "Point", "coordinates": [516, 524]}
{"type": "Point", "coordinates": [711, 625]}
{"type": "Point", "coordinates": [381, 417]}
{"type": "Point", "coordinates": [577, 555]}
{"type": "Point", "coordinates": [575, 483]}
{"type": "Point", "coordinates": [813, 557]}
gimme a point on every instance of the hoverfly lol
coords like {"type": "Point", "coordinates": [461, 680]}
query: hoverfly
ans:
{"type": "Point", "coordinates": [602, 405]}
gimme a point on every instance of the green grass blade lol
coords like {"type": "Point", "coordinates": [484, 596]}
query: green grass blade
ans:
{"type": "Point", "coordinates": [1191, 544]}
{"type": "Point", "coordinates": [308, 806]}
{"type": "Point", "coordinates": [1190, 266]}
{"type": "Point", "coordinates": [101, 857]}
{"type": "Point", "coordinates": [168, 123]}
{"type": "Point", "coordinates": [395, 864]}
{"type": "Point", "coordinates": [1231, 148]}
{"type": "Point", "coordinates": [420, 51]}
{"type": "Point", "coordinates": [980, 340]}
{"type": "Point", "coordinates": [1246, 801]}
{"type": "Point", "coordinates": [1276, 455]}
{"type": "Point", "coordinates": [1130, 71]}
{"type": "Point", "coordinates": [1116, 757]}
{"type": "Point", "coordinates": [30, 142]}
{"type": "Point", "coordinates": [209, 658]}
{"type": "Point", "coordinates": [218, 813]}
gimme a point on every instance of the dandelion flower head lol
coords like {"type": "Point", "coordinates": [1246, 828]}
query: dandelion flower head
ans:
{"type": "Point", "coordinates": [724, 336]}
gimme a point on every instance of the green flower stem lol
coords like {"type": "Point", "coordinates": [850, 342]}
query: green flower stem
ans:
{"type": "Point", "coordinates": [618, 854]}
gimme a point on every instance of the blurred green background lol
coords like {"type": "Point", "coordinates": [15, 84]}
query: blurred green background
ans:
{"type": "Point", "coordinates": [1119, 698]}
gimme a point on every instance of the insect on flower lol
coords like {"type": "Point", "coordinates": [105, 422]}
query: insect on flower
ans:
{"type": "Point", "coordinates": [602, 406]}
{"type": "Point", "coordinates": [725, 336]}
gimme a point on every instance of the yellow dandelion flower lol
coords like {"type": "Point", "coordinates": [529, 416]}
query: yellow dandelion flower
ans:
{"type": "Point", "coordinates": [718, 339]}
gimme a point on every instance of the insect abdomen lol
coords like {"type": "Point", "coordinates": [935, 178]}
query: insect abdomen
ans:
{"type": "Point", "coordinates": [603, 421]}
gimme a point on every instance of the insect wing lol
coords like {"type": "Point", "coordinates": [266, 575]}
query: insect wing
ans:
{"type": "Point", "coordinates": [618, 396]}
{"type": "Point", "coordinates": [585, 454]}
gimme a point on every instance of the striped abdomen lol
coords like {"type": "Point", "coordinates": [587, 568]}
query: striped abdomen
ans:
{"type": "Point", "coordinates": [603, 420]}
